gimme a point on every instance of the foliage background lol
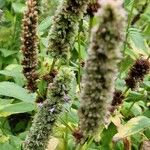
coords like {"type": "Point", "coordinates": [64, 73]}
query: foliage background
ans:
{"type": "Point", "coordinates": [130, 123]}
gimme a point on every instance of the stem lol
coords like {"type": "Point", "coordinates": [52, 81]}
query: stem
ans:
{"type": "Point", "coordinates": [90, 25]}
{"type": "Point", "coordinates": [148, 57]}
{"type": "Point", "coordinates": [131, 106]}
{"type": "Point", "coordinates": [126, 90]}
{"type": "Point", "coordinates": [68, 126]}
{"type": "Point", "coordinates": [53, 65]}
{"type": "Point", "coordinates": [128, 26]}
{"type": "Point", "coordinates": [79, 54]}
{"type": "Point", "coordinates": [137, 17]}
{"type": "Point", "coordinates": [66, 132]}
{"type": "Point", "coordinates": [87, 144]}
{"type": "Point", "coordinates": [79, 57]}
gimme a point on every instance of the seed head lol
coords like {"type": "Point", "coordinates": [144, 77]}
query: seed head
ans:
{"type": "Point", "coordinates": [137, 72]}
{"type": "Point", "coordinates": [30, 44]}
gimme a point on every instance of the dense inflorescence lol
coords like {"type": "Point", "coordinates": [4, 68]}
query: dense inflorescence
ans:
{"type": "Point", "coordinates": [93, 7]}
{"type": "Point", "coordinates": [137, 72]}
{"type": "Point", "coordinates": [30, 44]}
{"type": "Point", "coordinates": [45, 118]}
{"type": "Point", "coordinates": [100, 67]}
{"type": "Point", "coordinates": [64, 26]}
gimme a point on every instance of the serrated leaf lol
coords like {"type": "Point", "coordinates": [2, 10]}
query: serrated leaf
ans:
{"type": "Point", "coordinates": [138, 40]}
{"type": "Point", "coordinates": [11, 89]}
{"type": "Point", "coordinates": [9, 109]}
{"type": "Point", "coordinates": [133, 126]}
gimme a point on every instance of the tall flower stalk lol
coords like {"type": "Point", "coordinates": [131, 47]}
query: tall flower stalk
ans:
{"type": "Point", "coordinates": [101, 66]}
{"type": "Point", "coordinates": [65, 26]}
{"type": "Point", "coordinates": [30, 44]}
{"type": "Point", "coordinates": [58, 94]}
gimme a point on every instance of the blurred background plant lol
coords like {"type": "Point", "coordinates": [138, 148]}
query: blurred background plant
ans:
{"type": "Point", "coordinates": [127, 128]}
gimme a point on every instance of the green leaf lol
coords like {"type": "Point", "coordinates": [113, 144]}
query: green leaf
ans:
{"type": "Point", "coordinates": [135, 96]}
{"type": "Point", "coordinates": [13, 90]}
{"type": "Point", "coordinates": [44, 24]}
{"type": "Point", "coordinates": [14, 143]}
{"type": "Point", "coordinates": [125, 65]}
{"type": "Point", "coordinates": [9, 109]}
{"type": "Point", "coordinates": [107, 135]}
{"type": "Point", "coordinates": [5, 101]}
{"type": "Point", "coordinates": [7, 52]}
{"type": "Point", "coordinates": [3, 138]}
{"type": "Point", "coordinates": [133, 126]}
{"type": "Point", "coordinates": [18, 7]}
{"type": "Point", "coordinates": [14, 71]}
{"type": "Point", "coordinates": [131, 109]}
{"type": "Point", "coordinates": [138, 40]}
{"type": "Point", "coordinates": [147, 85]}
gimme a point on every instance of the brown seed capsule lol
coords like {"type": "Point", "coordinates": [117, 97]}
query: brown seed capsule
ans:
{"type": "Point", "coordinates": [117, 98]}
{"type": "Point", "coordinates": [78, 135]}
{"type": "Point", "coordinates": [93, 8]}
{"type": "Point", "coordinates": [137, 72]}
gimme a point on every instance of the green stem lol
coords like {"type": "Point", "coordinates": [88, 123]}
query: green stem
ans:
{"type": "Point", "coordinates": [79, 54]}
{"type": "Point", "coordinates": [90, 25]}
{"type": "Point", "coordinates": [79, 57]}
{"type": "Point", "coordinates": [53, 65]}
{"type": "Point", "coordinates": [128, 26]}
{"type": "Point", "coordinates": [126, 90]}
{"type": "Point", "coordinates": [66, 132]}
{"type": "Point", "coordinates": [131, 106]}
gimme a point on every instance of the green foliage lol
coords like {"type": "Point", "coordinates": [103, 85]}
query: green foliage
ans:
{"type": "Point", "coordinates": [13, 90]}
{"type": "Point", "coordinates": [129, 125]}
{"type": "Point", "coordinates": [7, 110]}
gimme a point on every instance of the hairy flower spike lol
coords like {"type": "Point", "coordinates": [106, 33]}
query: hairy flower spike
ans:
{"type": "Point", "coordinates": [100, 67]}
{"type": "Point", "coordinates": [30, 44]}
{"type": "Point", "coordinates": [137, 72]}
{"type": "Point", "coordinates": [58, 94]}
{"type": "Point", "coordinates": [65, 25]}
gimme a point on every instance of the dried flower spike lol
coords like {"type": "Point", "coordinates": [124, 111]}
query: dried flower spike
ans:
{"type": "Point", "coordinates": [100, 67]}
{"type": "Point", "coordinates": [65, 26]}
{"type": "Point", "coordinates": [30, 44]}
{"type": "Point", "coordinates": [58, 94]}
{"type": "Point", "coordinates": [137, 72]}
